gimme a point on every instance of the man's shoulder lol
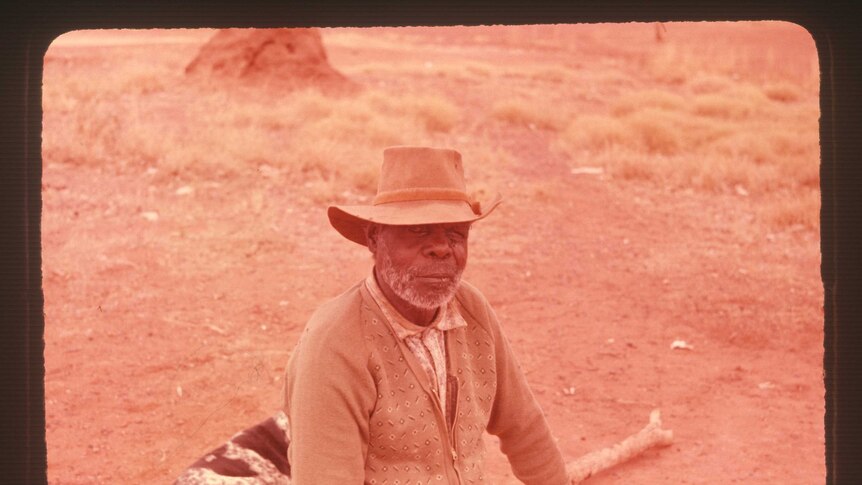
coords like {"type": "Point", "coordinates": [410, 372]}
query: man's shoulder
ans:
{"type": "Point", "coordinates": [468, 291]}
{"type": "Point", "coordinates": [472, 300]}
{"type": "Point", "coordinates": [337, 313]}
{"type": "Point", "coordinates": [332, 338]}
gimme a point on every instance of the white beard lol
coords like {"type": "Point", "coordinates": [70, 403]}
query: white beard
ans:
{"type": "Point", "coordinates": [400, 280]}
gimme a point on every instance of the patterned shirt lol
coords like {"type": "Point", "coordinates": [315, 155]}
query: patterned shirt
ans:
{"type": "Point", "coordinates": [426, 343]}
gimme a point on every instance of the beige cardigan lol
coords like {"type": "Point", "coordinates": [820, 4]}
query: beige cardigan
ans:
{"type": "Point", "coordinates": [362, 410]}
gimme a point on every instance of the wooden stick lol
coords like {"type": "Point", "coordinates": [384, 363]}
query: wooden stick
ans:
{"type": "Point", "coordinates": [590, 464]}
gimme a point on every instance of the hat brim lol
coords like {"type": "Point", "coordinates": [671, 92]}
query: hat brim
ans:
{"type": "Point", "coordinates": [351, 220]}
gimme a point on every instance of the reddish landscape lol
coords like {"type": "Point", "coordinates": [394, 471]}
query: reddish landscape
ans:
{"type": "Point", "coordinates": [176, 281]}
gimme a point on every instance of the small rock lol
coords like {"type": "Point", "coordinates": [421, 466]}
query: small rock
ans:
{"type": "Point", "coordinates": [150, 216]}
{"type": "Point", "coordinates": [267, 171]}
{"type": "Point", "coordinates": [680, 344]}
{"type": "Point", "coordinates": [587, 171]}
{"type": "Point", "coordinates": [185, 190]}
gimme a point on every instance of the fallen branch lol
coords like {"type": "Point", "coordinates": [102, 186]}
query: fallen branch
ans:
{"type": "Point", "coordinates": [590, 464]}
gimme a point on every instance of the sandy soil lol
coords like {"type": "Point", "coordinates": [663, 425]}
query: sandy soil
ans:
{"type": "Point", "coordinates": [164, 337]}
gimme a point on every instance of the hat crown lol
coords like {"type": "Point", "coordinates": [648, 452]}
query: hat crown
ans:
{"type": "Point", "coordinates": [417, 185]}
{"type": "Point", "coordinates": [410, 168]}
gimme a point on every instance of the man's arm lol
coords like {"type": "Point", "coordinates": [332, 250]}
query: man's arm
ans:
{"type": "Point", "coordinates": [518, 421]}
{"type": "Point", "coordinates": [329, 393]}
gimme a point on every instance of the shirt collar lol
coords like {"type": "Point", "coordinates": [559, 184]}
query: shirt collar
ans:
{"type": "Point", "coordinates": [447, 318]}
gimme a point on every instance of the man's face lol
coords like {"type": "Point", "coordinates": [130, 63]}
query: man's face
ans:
{"type": "Point", "coordinates": [421, 264]}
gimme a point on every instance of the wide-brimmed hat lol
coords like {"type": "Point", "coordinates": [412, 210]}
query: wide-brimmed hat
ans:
{"type": "Point", "coordinates": [418, 185]}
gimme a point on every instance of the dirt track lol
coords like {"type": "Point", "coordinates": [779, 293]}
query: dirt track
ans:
{"type": "Point", "coordinates": [164, 337]}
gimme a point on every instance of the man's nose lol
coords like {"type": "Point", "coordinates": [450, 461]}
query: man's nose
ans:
{"type": "Point", "coordinates": [437, 245]}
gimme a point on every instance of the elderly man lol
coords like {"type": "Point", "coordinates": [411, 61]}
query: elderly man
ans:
{"type": "Point", "coordinates": [395, 380]}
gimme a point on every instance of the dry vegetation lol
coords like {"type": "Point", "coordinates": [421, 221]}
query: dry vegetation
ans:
{"type": "Point", "coordinates": [680, 115]}
{"type": "Point", "coordinates": [305, 134]}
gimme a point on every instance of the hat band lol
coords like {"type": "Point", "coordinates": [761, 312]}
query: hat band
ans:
{"type": "Point", "coordinates": [424, 193]}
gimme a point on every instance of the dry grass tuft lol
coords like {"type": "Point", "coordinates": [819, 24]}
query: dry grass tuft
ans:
{"type": "Point", "coordinates": [671, 64]}
{"type": "Point", "coordinates": [594, 133]}
{"type": "Point", "coordinates": [650, 130]}
{"type": "Point", "coordinates": [783, 92]}
{"type": "Point", "coordinates": [436, 114]}
{"type": "Point", "coordinates": [634, 165]}
{"type": "Point", "coordinates": [652, 98]}
{"type": "Point", "coordinates": [528, 113]}
{"type": "Point", "coordinates": [655, 131]}
{"type": "Point", "coordinates": [723, 106]}
{"type": "Point", "coordinates": [554, 74]}
{"type": "Point", "coordinates": [469, 71]}
{"type": "Point", "coordinates": [706, 83]}
{"type": "Point", "coordinates": [798, 209]}
{"type": "Point", "coordinates": [745, 147]}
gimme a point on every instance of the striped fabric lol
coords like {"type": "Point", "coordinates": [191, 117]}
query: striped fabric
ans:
{"type": "Point", "coordinates": [254, 456]}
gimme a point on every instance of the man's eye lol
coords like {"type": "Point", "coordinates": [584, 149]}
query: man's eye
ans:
{"type": "Point", "coordinates": [418, 229]}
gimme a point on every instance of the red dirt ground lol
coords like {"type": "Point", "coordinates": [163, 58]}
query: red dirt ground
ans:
{"type": "Point", "coordinates": [165, 337]}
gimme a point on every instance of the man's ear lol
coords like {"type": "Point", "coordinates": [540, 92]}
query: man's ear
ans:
{"type": "Point", "coordinates": [371, 232]}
